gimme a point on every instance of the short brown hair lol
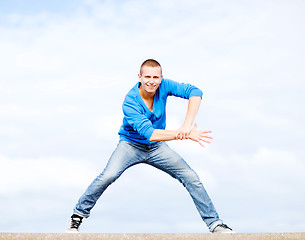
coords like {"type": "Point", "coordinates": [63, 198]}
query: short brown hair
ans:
{"type": "Point", "coordinates": [150, 63]}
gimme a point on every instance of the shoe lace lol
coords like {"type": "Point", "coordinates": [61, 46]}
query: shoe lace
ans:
{"type": "Point", "coordinates": [224, 226]}
{"type": "Point", "coordinates": [75, 222]}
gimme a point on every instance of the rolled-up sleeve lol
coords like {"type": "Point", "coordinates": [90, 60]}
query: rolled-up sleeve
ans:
{"type": "Point", "coordinates": [183, 90]}
{"type": "Point", "coordinates": [137, 120]}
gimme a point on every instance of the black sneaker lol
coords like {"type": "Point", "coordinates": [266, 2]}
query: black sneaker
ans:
{"type": "Point", "coordinates": [222, 228]}
{"type": "Point", "coordinates": [74, 223]}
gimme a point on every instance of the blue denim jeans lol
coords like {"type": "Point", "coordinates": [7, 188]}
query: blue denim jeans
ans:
{"type": "Point", "coordinates": [158, 155]}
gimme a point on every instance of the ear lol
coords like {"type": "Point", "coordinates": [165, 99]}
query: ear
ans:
{"type": "Point", "coordinates": [139, 76]}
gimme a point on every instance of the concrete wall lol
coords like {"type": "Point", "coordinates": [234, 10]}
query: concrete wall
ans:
{"type": "Point", "coordinates": [150, 236]}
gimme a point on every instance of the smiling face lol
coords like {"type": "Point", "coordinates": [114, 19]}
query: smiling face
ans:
{"type": "Point", "coordinates": [150, 79]}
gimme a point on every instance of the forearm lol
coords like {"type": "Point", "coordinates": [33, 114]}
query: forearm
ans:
{"type": "Point", "coordinates": [193, 106]}
{"type": "Point", "coordinates": [195, 135]}
{"type": "Point", "coordinates": [163, 135]}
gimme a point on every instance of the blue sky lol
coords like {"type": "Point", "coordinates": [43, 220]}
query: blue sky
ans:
{"type": "Point", "coordinates": [33, 6]}
{"type": "Point", "coordinates": [65, 69]}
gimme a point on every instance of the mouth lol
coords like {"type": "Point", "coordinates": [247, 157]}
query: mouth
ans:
{"type": "Point", "coordinates": [150, 86]}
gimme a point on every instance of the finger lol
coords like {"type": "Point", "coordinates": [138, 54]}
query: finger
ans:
{"type": "Point", "coordinates": [179, 135]}
{"type": "Point", "coordinates": [207, 137]}
{"type": "Point", "coordinates": [184, 135]}
{"type": "Point", "coordinates": [201, 144]}
{"type": "Point", "coordinates": [202, 139]}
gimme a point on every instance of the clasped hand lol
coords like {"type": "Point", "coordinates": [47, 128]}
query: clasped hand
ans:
{"type": "Point", "coordinates": [194, 134]}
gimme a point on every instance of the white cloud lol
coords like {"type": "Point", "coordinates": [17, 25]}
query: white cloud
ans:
{"type": "Point", "coordinates": [253, 110]}
{"type": "Point", "coordinates": [269, 171]}
{"type": "Point", "coordinates": [76, 84]}
{"type": "Point", "coordinates": [10, 130]}
{"type": "Point", "coordinates": [35, 60]}
{"type": "Point", "coordinates": [13, 110]}
{"type": "Point", "coordinates": [67, 109]}
{"type": "Point", "coordinates": [43, 174]}
{"type": "Point", "coordinates": [106, 126]}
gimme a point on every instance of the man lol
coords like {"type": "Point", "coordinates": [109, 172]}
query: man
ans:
{"type": "Point", "coordinates": [142, 140]}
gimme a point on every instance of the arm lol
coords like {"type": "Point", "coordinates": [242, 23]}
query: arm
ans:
{"type": "Point", "coordinates": [186, 91]}
{"type": "Point", "coordinates": [163, 135]}
{"type": "Point", "coordinates": [193, 106]}
{"type": "Point", "coordinates": [167, 135]}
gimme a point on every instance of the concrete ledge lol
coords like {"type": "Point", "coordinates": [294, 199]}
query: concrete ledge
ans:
{"type": "Point", "coordinates": [150, 236]}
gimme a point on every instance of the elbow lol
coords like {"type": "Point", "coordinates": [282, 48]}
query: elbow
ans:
{"type": "Point", "coordinates": [196, 93]}
{"type": "Point", "coordinates": [153, 136]}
